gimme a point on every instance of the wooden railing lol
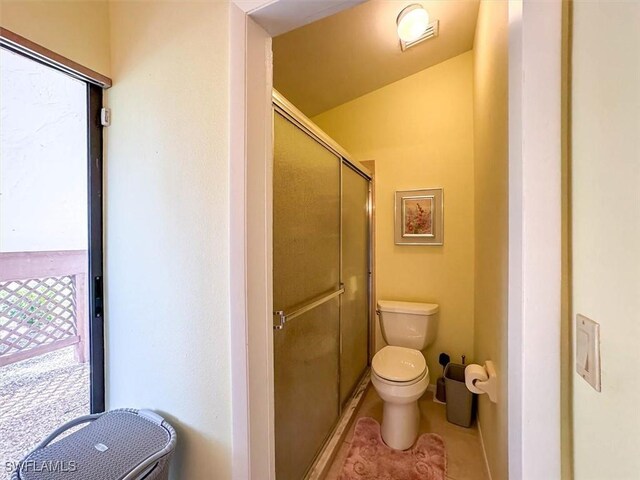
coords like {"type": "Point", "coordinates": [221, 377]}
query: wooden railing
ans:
{"type": "Point", "coordinates": [43, 304]}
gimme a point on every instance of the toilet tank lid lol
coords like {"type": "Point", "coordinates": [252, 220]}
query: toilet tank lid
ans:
{"type": "Point", "coordinates": [413, 308]}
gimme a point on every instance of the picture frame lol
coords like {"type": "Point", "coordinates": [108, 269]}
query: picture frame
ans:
{"type": "Point", "coordinates": [419, 217]}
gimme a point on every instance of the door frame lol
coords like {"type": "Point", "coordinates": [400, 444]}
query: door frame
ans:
{"type": "Point", "coordinates": [535, 60]}
{"type": "Point", "coordinates": [95, 84]}
{"type": "Point", "coordinates": [535, 239]}
{"type": "Point", "coordinates": [95, 152]}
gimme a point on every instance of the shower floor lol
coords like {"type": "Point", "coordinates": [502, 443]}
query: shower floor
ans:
{"type": "Point", "coordinates": [465, 458]}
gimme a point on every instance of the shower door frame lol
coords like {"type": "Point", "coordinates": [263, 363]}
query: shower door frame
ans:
{"type": "Point", "coordinates": [299, 119]}
{"type": "Point", "coordinates": [290, 113]}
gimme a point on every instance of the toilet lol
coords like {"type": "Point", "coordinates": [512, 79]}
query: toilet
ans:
{"type": "Point", "coordinates": [399, 372]}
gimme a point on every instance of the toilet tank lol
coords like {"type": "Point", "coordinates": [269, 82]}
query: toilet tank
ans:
{"type": "Point", "coordinates": [408, 324]}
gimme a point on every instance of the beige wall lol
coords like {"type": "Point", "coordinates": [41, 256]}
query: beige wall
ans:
{"type": "Point", "coordinates": [78, 30]}
{"type": "Point", "coordinates": [606, 232]}
{"type": "Point", "coordinates": [419, 131]}
{"type": "Point", "coordinates": [166, 217]}
{"type": "Point", "coordinates": [491, 220]}
{"type": "Point", "coordinates": [167, 225]}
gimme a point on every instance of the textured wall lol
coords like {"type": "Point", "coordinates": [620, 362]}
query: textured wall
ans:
{"type": "Point", "coordinates": [419, 131]}
{"type": "Point", "coordinates": [605, 162]}
{"type": "Point", "coordinates": [167, 225]}
{"type": "Point", "coordinates": [78, 30]}
{"type": "Point", "coordinates": [43, 157]}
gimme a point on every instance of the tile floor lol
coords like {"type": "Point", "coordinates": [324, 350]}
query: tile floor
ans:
{"type": "Point", "coordinates": [465, 460]}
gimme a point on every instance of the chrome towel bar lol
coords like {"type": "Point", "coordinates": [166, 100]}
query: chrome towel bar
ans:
{"type": "Point", "coordinates": [281, 317]}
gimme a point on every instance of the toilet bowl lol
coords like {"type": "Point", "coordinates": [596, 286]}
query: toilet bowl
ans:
{"type": "Point", "coordinates": [399, 372]}
{"type": "Point", "coordinates": [400, 376]}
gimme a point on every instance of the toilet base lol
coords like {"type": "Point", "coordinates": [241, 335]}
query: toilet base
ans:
{"type": "Point", "coordinates": [400, 412]}
{"type": "Point", "coordinates": [400, 424]}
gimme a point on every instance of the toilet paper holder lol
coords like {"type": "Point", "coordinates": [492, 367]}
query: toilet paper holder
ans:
{"type": "Point", "coordinates": [483, 383]}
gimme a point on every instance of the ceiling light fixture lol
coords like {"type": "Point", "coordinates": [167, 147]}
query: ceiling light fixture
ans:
{"type": "Point", "coordinates": [414, 27]}
{"type": "Point", "coordinates": [412, 22]}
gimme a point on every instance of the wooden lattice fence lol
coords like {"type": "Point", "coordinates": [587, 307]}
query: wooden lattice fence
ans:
{"type": "Point", "coordinates": [42, 304]}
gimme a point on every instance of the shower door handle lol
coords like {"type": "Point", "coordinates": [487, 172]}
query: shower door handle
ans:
{"type": "Point", "coordinates": [281, 317]}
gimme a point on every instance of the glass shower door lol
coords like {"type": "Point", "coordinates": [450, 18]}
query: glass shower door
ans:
{"type": "Point", "coordinates": [354, 325]}
{"type": "Point", "coordinates": [306, 286]}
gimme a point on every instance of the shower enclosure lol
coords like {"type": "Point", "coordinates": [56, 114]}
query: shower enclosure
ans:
{"type": "Point", "coordinates": [321, 286]}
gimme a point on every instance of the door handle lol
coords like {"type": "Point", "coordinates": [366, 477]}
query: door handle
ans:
{"type": "Point", "coordinates": [97, 297]}
{"type": "Point", "coordinates": [282, 317]}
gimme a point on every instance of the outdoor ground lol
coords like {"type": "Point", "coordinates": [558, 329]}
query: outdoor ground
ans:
{"type": "Point", "coordinates": [36, 396]}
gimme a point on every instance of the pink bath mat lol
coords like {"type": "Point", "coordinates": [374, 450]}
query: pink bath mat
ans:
{"type": "Point", "coordinates": [369, 458]}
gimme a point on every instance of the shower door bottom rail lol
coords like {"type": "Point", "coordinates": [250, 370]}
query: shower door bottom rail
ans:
{"type": "Point", "coordinates": [327, 453]}
{"type": "Point", "coordinates": [282, 317]}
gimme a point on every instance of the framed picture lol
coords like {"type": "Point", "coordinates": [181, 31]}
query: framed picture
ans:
{"type": "Point", "coordinates": [419, 217]}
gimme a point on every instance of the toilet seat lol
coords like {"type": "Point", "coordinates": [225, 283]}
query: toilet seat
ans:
{"type": "Point", "coordinates": [391, 383]}
{"type": "Point", "coordinates": [399, 365]}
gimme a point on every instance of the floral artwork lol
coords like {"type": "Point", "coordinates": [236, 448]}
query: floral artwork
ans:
{"type": "Point", "coordinates": [417, 216]}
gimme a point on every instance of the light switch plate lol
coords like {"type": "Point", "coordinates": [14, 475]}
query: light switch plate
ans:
{"type": "Point", "coordinates": [588, 350]}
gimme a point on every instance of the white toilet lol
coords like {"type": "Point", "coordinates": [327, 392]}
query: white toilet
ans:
{"type": "Point", "coordinates": [399, 371]}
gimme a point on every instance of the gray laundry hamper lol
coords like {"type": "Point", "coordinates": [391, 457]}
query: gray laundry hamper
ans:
{"type": "Point", "coordinates": [122, 444]}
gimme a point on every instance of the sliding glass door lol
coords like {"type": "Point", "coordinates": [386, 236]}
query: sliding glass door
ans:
{"type": "Point", "coordinates": [306, 273]}
{"type": "Point", "coordinates": [320, 291]}
{"type": "Point", "coordinates": [354, 327]}
{"type": "Point", "coordinates": [51, 340]}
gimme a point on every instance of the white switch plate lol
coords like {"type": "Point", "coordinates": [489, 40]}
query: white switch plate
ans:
{"type": "Point", "coordinates": [588, 350]}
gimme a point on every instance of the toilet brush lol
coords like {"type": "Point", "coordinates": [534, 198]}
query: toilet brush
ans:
{"type": "Point", "coordinates": [441, 397]}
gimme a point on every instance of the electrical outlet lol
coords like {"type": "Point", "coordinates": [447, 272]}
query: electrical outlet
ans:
{"type": "Point", "coordinates": [588, 350]}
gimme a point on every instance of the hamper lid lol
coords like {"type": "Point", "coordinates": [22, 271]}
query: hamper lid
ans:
{"type": "Point", "coordinates": [106, 449]}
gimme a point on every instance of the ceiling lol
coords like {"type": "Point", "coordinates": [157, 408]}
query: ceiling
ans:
{"type": "Point", "coordinates": [344, 56]}
{"type": "Point", "coordinates": [278, 17]}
